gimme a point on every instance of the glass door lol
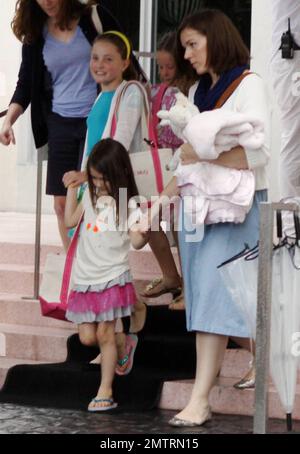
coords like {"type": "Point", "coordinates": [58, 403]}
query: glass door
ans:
{"type": "Point", "coordinates": [145, 21]}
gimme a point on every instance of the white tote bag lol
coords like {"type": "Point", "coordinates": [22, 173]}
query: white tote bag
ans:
{"type": "Point", "coordinates": [56, 282]}
{"type": "Point", "coordinates": [150, 165]}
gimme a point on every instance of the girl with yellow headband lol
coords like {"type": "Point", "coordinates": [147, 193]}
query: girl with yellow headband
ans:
{"type": "Point", "coordinates": [111, 66]}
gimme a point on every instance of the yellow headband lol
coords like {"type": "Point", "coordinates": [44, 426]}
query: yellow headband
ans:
{"type": "Point", "coordinates": [123, 38]}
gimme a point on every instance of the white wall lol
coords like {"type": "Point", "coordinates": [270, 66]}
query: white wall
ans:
{"type": "Point", "coordinates": [261, 53]}
{"type": "Point", "coordinates": [8, 68]}
{"type": "Point", "coordinates": [17, 179]}
{"type": "Point", "coordinates": [17, 163]}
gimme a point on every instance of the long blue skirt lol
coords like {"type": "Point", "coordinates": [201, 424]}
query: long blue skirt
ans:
{"type": "Point", "coordinates": [209, 307]}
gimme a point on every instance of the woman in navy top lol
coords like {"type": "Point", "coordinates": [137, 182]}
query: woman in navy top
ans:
{"type": "Point", "coordinates": [54, 77]}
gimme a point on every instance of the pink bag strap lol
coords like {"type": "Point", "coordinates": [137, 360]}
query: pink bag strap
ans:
{"type": "Point", "coordinates": [156, 106]}
{"type": "Point", "coordinates": [151, 139]}
{"type": "Point", "coordinates": [68, 264]}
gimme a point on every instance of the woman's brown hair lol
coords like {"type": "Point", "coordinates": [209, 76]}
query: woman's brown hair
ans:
{"type": "Point", "coordinates": [225, 47]}
{"type": "Point", "coordinates": [29, 19]}
{"type": "Point", "coordinates": [130, 73]}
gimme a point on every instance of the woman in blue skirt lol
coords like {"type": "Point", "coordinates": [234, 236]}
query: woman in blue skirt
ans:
{"type": "Point", "coordinates": [212, 45]}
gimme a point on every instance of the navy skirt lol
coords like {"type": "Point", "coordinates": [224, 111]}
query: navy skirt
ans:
{"type": "Point", "coordinates": [66, 142]}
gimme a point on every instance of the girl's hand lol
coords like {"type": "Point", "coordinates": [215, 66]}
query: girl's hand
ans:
{"type": "Point", "coordinates": [7, 135]}
{"type": "Point", "coordinates": [139, 233]}
{"type": "Point", "coordinates": [144, 224]}
{"type": "Point", "coordinates": [188, 155]}
{"type": "Point", "coordinates": [74, 179]}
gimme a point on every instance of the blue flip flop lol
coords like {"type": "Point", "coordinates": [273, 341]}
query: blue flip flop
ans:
{"type": "Point", "coordinates": [111, 406]}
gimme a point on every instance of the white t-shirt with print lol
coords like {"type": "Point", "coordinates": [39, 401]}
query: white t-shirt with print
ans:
{"type": "Point", "coordinates": [103, 247]}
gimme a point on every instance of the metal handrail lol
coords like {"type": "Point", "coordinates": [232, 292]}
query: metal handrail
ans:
{"type": "Point", "coordinates": [38, 216]}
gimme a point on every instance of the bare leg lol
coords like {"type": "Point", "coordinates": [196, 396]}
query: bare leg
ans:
{"type": "Point", "coordinates": [177, 303]}
{"type": "Point", "coordinates": [161, 249]}
{"type": "Point", "coordinates": [59, 208]}
{"type": "Point", "coordinates": [137, 322]}
{"type": "Point", "coordinates": [248, 381]}
{"type": "Point", "coordinates": [88, 334]}
{"type": "Point", "coordinates": [108, 347]}
{"type": "Point", "coordinates": [246, 343]}
{"type": "Point", "coordinates": [210, 353]}
{"type": "Point", "coordinates": [121, 348]}
{"type": "Point", "coordinates": [121, 344]}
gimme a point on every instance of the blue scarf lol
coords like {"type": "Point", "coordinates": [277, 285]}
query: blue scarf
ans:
{"type": "Point", "coordinates": [206, 98]}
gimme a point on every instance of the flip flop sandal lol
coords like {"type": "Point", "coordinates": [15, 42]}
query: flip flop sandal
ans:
{"type": "Point", "coordinates": [131, 344]}
{"type": "Point", "coordinates": [154, 283]}
{"type": "Point", "coordinates": [111, 405]}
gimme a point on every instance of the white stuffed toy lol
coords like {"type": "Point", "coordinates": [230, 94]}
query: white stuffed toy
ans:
{"type": "Point", "coordinates": [177, 118]}
{"type": "Point", "coordinates": [179, 115]}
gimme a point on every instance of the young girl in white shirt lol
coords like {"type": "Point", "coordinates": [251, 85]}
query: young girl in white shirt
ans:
{"type": "Point", "coordinates": [102, 290]}
{"type": "Point", "coordinates": [111, 66]}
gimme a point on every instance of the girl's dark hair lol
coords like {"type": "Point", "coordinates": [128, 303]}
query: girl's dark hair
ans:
{"type": "Point", "coordinates": [225, 47]}
{"type": "Point", "coordinates": [130, 73]}
{"type": "Point", "coordinates": [29, 19]}
{"type": "Point", "coordinates": [183, 79]}
{"type": "Point", "coordinates": [111, 159]}
{"type": "Point", "coordinates": [168, 43]}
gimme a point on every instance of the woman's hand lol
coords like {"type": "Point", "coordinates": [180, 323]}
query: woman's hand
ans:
{"type": "Point", "coordinates": [74, 179]}
{"type": "Point", "coordinates": [7, 135]}
{"type": "Point", "coordinates": [188, 155]}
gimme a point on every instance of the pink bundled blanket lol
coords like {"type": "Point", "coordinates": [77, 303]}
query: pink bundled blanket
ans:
{"type": "Point", "coordinates": [215, 193]}
{"type": "Point", "coordinates": [210, 133]}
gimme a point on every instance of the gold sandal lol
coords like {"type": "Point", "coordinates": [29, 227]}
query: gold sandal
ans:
{"type": "Point", "coordinates": [176, 291]}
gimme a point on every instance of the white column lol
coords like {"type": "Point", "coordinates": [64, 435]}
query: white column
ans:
{"type": "Point", "coordinates": [261, 50]}
{"type": "Point", "coordinates": [145, 34]}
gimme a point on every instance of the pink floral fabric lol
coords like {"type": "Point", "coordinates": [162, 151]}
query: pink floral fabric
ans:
{"type": "Point", "coordinates": [166, 137]}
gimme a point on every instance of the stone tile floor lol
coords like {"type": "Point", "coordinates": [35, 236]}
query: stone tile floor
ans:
{"type": "Point", "coordinates": [29, 420]}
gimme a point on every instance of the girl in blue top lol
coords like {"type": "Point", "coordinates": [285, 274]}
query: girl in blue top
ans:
{"type": "Point", "coordinates": [111, 67]}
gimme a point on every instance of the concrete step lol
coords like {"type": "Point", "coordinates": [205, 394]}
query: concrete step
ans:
{"type": "Point", "coordinates": [34, 343]}
{"type": "Point", "coordinates": [142, 262]}
{"type": "Point", "coordinates": [23, 254]}
{"type": "Point", "coordinates": [17, 279]}
{"type": "Point", "coordinates": [7, 363]}
{"type": "Point", "coordinates": [236, 363]}
{"type": "Point", "coordinates": [17, 269]}
{"type": "Point", "coordinates": [224, 398]}
{"type": "Point", "coordinates": [16, 310]}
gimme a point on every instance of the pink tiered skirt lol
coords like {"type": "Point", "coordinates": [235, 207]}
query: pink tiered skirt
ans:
{"type": "Point", "coordinates": [104, 305]}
